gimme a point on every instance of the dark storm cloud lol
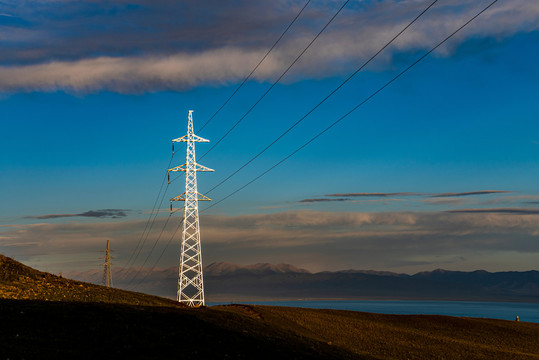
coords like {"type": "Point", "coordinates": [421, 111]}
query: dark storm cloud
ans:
{"type": "Point", "coordinates": [471, 193]}
{"type": "Point", "coordinates": [104, 213]}
{"type": "Point", "coordinates": [66, 30]}
{"type": "Point", "coordinates": [143, 45]}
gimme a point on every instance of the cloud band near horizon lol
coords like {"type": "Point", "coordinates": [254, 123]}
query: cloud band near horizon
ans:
{"type": "Point", "coordinates": [395, 241]}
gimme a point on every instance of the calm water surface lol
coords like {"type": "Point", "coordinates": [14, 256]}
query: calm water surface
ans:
{"type": "Point", "coordinates": [494, 310]}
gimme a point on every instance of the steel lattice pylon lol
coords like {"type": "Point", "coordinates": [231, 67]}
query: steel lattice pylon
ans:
{"type": "Point", "coordinates": [190, 280]}
{"type": "Point", "coordinates": [107, 275]}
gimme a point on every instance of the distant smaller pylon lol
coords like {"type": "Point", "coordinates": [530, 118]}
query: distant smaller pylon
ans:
{"type": "Point", "coordinates": [107, 274]}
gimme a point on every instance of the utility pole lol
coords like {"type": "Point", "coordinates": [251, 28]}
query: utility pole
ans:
{"type": "Point", "coordinates": [190, 279]}
{"type": "Point", "coordinates": [107, 275]}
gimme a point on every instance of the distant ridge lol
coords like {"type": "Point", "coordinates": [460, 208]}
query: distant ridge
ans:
{"type": "Point", "coordinates": [263, 281]}
{"type": "Point", "coordinates": [21, 282]}
{"type": "Point", "coordinates": [439, 284]}
{"type": "Point", "coordinates": [370, 272]}
{"type": "Point", "coordinates": [224, 268]}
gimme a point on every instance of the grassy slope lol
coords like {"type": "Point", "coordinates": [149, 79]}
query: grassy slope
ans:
{"type": "Point", "coordinates": [18, 281]}
{"type": "Point", "coordinates": [43, 316]}
{"type": "Point", "coordinates": [85, 321]}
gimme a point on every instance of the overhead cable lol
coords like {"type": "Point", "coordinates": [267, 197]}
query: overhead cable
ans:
{"type": "Point", "coordinates": [326, 98]}
{"type": "Point", "coordinates": [256, 67]}
{"type": "Point", "coordinates": [151, 251]}
{"type": "Point", "coordinates": [276, 81]}
{"type": "Point", "coordinates": [159, 258]}
{"type": "Point", "coordinates": [354, 108]}
{"type": "Point", "coordinates": [151, 215]}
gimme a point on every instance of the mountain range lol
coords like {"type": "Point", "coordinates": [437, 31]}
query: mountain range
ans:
{"type": "Point", "coordinates": [263, 281]}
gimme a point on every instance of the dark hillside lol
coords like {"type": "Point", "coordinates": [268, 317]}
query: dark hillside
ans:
{"type": "Point", "coordinates": [18, 281]}
{"type": "Point", "coordinates": [43, 316]}
{"type": "Point", "coordinates": [54, 330]}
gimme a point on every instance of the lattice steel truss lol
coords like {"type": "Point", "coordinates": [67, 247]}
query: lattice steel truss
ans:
{"type": "Point", "coordinates": [107, 275]}
{"type": "Point", "coordinates": [190, 280]}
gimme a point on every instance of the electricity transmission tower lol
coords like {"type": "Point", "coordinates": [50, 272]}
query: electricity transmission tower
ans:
{"type": "Point", "coordinates": [190, 281]}
{"type": "Point", "coordinates": [107, 275]}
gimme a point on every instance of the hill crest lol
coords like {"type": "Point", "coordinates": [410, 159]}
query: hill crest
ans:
{"type": "Point", "coordinates": [21, 282]}
{"type": "Point", "coordinates": [12, 270]}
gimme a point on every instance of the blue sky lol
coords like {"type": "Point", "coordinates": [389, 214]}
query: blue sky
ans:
{"type": "Point", "coordinates": [438, 170]}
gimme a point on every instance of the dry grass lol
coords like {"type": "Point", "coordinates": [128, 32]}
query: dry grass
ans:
{"type": "Point", "coordinates": [18, 281]}
{"type": "Point", "coordinates": [409, 336]}
{"type": "Point", "coordinates": [45, 316]}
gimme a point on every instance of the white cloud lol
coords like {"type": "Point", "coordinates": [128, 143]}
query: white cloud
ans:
{"type": "Point", "coordinates": [127, 74]}
{"type": "Point", "coordinates": [349, 41]}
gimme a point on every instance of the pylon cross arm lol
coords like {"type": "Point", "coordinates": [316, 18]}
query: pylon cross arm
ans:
{"type": "Point", "coordinates": [196, 167]}
{"type": "Point", "coordinates": [190, 137]}
{"type": "Point", "coordinates": [181, 197]}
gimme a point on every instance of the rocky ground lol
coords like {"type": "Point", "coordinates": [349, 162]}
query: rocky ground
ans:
{"type": "Point", "coordinates": [43, 316]}
{"type": "Point", "coordinates": [18, 281]}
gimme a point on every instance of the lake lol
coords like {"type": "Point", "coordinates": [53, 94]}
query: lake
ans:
{"type": "Point", "coordinates": [494, 310]}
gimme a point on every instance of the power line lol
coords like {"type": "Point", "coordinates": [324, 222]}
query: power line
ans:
{"type": "Point", "coordinates": [160, 256]}
{"type": "Point", "coordinates": [256, 67]}
{"type": "Point", "coordinates": [276, 81]}
{"type": "Point", "coordinates": [326, 98]}
{"type": "Point", "coordinates": [190, 282]}
{"type": "Point", "coordinates": [149, 230]}
{"type": "Point", "coordinates": [153, 247]}
{"type": "Point", "coordinates": [139, 246]}
{"type": "Point", "coordinates": [151, 214]}
{"type": "Point", "coordinates": [151, 251]}
{"type": "Point", "coordinates": [356, 107]}
{"type": "Point", "coordinates": [335, 122]}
